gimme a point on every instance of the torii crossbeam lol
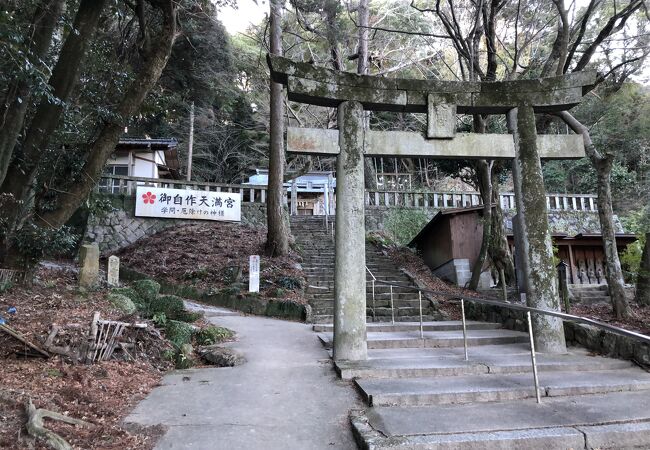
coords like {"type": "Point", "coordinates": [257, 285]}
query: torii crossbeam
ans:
{"type": "Point", "coordinates": [441, 100]}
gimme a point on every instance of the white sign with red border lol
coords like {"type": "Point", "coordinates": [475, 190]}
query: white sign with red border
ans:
{"type": "Point", "coordinates": [187, 204]}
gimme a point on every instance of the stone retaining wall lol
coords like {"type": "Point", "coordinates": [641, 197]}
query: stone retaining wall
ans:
{"type": "Point", "coordinates": [117, 227]}
{"type": "Point", "coordinates": [595, 339]}
{"type": "Point", "coordinates": [232, 297]}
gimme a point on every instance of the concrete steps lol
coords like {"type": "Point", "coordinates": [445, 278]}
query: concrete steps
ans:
{"type": "Point", "coordinates": [422, 397]}
{"type": "Point", "coordinates": [590, 294]}
{"type": "Point", "coordinates": [421, 364]}
{"type": "Point", "coordinates": [423, 391]}
{"type": "Point", "coordinates": [607, 421]}
{"type": "Point", "coordinates": [435, 339]}
{"type": "Point", "coordinates": [448, 325]}
{"type": "Point", "coordinates": [317, 250]}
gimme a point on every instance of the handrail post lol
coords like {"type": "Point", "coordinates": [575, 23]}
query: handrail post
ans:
{"type": "Point", "coordinates": [421, 325]}
{"type": "Point", "coordinates": [532, 356]}
{"type": "Point", "coordinates": [374, 317]}
{"type": "Point", "coordinates": [392, 308]}
{"type": "Point", "coordinates": [462, 311]}
{"type": "Point", "coordinates": [564, 287]}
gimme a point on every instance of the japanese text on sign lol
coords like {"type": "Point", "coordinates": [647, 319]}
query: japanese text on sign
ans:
{"type": "Point", "coordinates": [187, 204]}
{"type": "Point", "coordinates": [254, 274]}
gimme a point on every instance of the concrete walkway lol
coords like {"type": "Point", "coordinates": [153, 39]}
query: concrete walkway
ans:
{"type": "Point", "coordinates": [286, 396]}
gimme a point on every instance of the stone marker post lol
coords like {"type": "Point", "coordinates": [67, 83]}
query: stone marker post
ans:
{"type": "Point", "coordinates": [254, 273]}
{"type": "Point", "coordinates": [537, 249]}
{"type": "Point", "coordinates": [88, 265]}
{"type": "Point", "coordinates": [350, 249]}
{"type": "Point", "coordinates": [113, 271]}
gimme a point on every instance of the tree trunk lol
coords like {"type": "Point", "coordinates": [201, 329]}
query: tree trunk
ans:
{"type": "Point", "coordinates": [277, 238]}
{"type": "Point", "coordinates": [484, 176]}
{"type": "Point", "coordinates": [499, 250]}
{"type": "Point", "coordinates": [613, 272]}
{"type": "Point", "coordinates": [369, 172]}
{"type": "Point", "coordinates": [21, 173]}
{"type": "Point", "coordinates": [603, 165]}
{"type": "Point", "coordinates": [643, 280]}
{"type": "Point", "coordinates": [18, 95]}
{"type": "Point", "coordinates": [154, 63]}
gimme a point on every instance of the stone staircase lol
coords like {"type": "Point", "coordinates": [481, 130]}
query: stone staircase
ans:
{"type": "Point", "coordinates": [422, 394]}
{"type": "Point", "coordinates": [317, 250]}
{"type": "Point", "coordinates": [590, 294]}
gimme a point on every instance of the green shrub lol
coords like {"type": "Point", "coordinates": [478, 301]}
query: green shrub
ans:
{"type": "Point", "coordinates": [178, 333]}
{"type": "Point", "coordinates": [148, 290]}
{"type": "Point", "coordinates": [200, 273]}
{"type": "Point", "coordinates": [34, 242]}
{"type": "Point", "coordinates": [184, 357]}
{"type": "Point", "coordinates": [130, 292]}
{"type": "Point", "coordinates": [5, 285]}
{"type": "Point", "coordinates": [403, 224]}
{"type": "Point", "coordinates": [189, 316]}
{"type": "Point", "coordinates": [213, 335]}
{"type": "Point", "coordinates": [122, 302]}
{"type": "Point", "coordinates": [171, 305]}
{"type": "Point", "coordinates": [231, 274]}
{"type": "Point", "coordinates": [631, 259]}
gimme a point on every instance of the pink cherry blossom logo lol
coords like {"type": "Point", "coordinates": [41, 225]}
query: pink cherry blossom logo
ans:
{"type": "Point", "coordinates": [149, 198]}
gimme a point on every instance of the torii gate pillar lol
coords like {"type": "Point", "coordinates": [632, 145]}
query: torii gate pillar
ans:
{"type": "Point", "coordinates": [350, 249]}
{"type": "Point", "coordinates": [536, 252]}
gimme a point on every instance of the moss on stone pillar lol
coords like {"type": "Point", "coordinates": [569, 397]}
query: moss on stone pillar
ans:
{"type": "Point", "coordinates": [541, 279]}
{"type": "Point", "coordinates": [350, 248]}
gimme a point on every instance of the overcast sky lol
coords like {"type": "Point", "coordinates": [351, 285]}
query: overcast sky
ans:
{"type": "Point", "coordinates": [248, 12]}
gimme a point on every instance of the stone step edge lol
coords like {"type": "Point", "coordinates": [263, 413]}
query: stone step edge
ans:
{"type": "Point", "coordinates": [348, 371]}
{"type": "Point", "coordinates": [506, 394]}
{"type": "Point", "coordinates": [609, 435]}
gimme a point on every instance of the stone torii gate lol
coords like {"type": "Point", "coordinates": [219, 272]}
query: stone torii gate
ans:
{"type": "Point", "coordinates": [441, 100]}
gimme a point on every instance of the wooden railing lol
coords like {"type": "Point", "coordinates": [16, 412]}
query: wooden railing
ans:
{"type": "Point", "coordinates": [423, 199]}
{"type": "Point", "coordinates": [120, 184]}
{"type": "Point", "coordinates": [559, 202]}
{"type": "Point", "coordinates": [428, 199]}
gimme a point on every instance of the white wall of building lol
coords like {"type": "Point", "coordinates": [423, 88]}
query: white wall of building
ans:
{"type": "Point", "coordinates": [141, 164]}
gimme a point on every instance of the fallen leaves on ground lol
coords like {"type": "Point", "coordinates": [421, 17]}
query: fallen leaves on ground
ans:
{"type": "Point", "coordinates": [207, 256]}
{"type": "Point", "coordinates": [406, 259]}
{"type": "Point", "coordinates": [102, 393]}
{"type": "Point", "coordinates": [639, 320]}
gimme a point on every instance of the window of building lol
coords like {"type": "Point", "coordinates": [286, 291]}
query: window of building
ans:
{"type": "Point", "coordinates": [111, 185]}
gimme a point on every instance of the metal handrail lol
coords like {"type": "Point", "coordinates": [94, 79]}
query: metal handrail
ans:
{"type": "Point", "coordinates": [527, 309]}
{"type": "Point", "coordinates": [518, 307]}
{"type": "Point", "coordinates": [374, 318]}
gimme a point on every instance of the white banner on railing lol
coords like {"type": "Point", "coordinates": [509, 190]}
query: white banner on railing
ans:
{"type": "Point", "coordinates": [187, 204]}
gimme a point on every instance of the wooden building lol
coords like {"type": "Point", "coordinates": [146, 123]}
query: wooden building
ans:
{"type": "Point", "coordinates": [583, 254]}
{"type": "Point", "coordinates": [450, 244]}
{"type": "Point", "coordinates": [141, 157]}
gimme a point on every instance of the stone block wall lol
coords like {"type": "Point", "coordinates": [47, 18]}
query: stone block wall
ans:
{"type": "Point", "coordinates": [117, 227]}
{"type": "Point", "coordinates": [456, 271]}
{"type": "Point", "coordinates": [377, 216]}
